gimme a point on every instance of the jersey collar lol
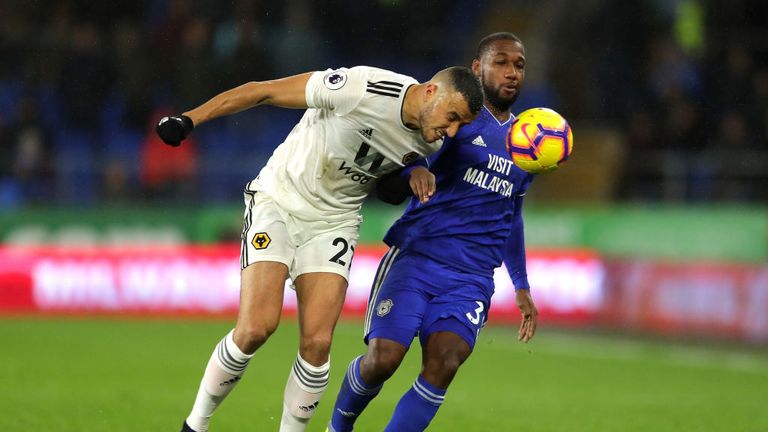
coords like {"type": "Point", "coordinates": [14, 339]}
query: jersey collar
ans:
{"type": "Point", "coordinates": [488, 112]}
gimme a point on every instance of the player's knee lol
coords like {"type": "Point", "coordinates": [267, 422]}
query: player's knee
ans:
{"type": "Point", "coordinates": [315, 348]}
{"type": "Point", "coordinates": [250, 338]}
{"type": "Point", "coordinates": [382, 364]}
{"type": "Point", "coordinates": [443, 368]}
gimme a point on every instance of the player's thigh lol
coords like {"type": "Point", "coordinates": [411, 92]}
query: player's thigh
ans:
{"type": "Point", "coordinates": [266, 254]}
{"type": "Point", "coordinates": [261, 297]}
{"type": "Point", "coordinates": [320, 272]}
{"type": "Point", "coordinates": [320, 298]}
{"type": "Point", "coordinates": [399, 298]}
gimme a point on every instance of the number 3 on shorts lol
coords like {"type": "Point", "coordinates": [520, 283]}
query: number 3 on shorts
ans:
{"type": "Point", "coordinates": [478, 312]}
{"type": "Point", "coordinates": [342, 246]}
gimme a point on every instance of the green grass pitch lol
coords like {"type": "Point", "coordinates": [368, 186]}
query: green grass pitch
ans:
{"type": "Point", "coordinates": [142, 375]}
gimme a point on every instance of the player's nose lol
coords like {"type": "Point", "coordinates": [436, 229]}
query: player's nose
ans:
{"type": "Point", "coordinates": [513, 73]}
{"type": "Point", "coordinates": [452, 130]}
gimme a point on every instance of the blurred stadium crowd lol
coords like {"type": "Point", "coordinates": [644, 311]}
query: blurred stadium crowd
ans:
{"type": "Point", "coordinates": [683, 83]}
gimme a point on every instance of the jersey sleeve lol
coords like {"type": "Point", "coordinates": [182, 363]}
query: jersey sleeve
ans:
{"type": "Point", "coordinates": [420, 162]}
{"type": "Point", "coordinates": [393, 188]}
{"type": "Point", "coordinates": [339, 90]}
{"type": "Point", "coordinates": [514, 249]}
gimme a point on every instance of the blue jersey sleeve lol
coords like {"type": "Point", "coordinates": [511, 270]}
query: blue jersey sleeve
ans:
{"type": "Point", "coordinates": [406, 172]}
{"type": "Point", "coordinates": [514, 249]}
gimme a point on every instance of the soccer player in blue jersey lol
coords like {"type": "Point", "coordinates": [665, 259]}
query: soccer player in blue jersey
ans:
{"type": "Point", "coordinates": [436, 281]}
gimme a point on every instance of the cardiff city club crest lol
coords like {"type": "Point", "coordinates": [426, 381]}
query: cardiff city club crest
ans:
{"type": "Point", "coordinates": [384, 307]}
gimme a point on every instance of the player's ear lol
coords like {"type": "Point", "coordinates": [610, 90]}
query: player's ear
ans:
{"type": "Point", "coordinates": [430, 90]}
{"type": "Point", "coordinates": [476, 67]}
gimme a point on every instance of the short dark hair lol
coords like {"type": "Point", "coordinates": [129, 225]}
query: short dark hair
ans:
{"type": "Point", "coordinates": [486, 42]}
{"type": "Point", "coordinates": [464, 81]}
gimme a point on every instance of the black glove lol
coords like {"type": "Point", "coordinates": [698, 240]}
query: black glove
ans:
{"type": "Point", "coordinates": [173, 130]}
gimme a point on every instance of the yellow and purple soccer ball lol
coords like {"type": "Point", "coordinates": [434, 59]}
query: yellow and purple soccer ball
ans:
{"type": "Point", "coordinates": [539, 140]}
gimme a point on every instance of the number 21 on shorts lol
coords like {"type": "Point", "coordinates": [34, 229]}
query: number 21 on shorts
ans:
{"type": "Point", "coordinates": [341, 246]}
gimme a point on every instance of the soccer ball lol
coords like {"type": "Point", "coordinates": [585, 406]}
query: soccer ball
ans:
{"type": "Point", "coordinates": [539, 140]}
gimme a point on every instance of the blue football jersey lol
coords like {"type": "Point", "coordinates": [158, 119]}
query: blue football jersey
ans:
{"type": "Point", "coordinates": [473, 222]}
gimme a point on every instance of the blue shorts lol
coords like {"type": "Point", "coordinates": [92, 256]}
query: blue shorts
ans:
{"type": "Point", "coordinates": [413, 294]}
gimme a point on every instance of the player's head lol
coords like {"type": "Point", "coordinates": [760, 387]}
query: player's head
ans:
{"type": "Point", "coordinates": [453, 97]}
{"type": "Point", "coordinates": [500, 65]}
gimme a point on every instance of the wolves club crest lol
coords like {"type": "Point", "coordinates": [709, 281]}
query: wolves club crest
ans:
{"type": "Point", "coordinates": [410, 157]}
{"type": "Point", "coordinates": [261, 240]}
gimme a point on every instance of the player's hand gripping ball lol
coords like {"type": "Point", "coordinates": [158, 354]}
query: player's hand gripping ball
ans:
{"type": "Point", "coordinates": [539, 140]}
{"type": "Point", "coordinates": [173, 130]}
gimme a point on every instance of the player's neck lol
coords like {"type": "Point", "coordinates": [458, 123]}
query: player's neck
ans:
{"type": "Point", "coordinates": [409, 113]}
{"type": "Point", "coordinates": [501, 115]}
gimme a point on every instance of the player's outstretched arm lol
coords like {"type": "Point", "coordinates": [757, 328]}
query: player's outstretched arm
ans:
{"type": "Point", "coordinates": [285, 92]}
{"type": "Point", "coordinates": [529, 314]}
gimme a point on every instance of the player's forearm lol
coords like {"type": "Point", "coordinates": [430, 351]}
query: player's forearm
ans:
{"type": "Point", "coordinates": [514, 254]}
{"type": "Point", "coordinates": [285, 92]}
{"type": "Point", "coordinates": [225, 103]}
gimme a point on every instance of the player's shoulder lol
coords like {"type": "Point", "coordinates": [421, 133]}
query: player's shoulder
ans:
{"type": "Point", "coordinates": [378, 74]}
{"type": "Point", "coordinates": [367, 79]}
{"type": "Point", "coordinates": [383, 82]}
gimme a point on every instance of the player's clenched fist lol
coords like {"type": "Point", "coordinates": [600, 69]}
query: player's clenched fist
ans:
{"type": "Point", "coordinates": [173, 130]}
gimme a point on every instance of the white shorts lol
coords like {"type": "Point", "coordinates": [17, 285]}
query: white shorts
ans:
{"type": "Point", "coordinates": [304, 246]}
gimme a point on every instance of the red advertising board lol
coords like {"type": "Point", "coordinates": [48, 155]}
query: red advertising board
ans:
{"type": "Point", "coordinates": [568, 285]}
{"type": "Point", "coordinates": [708, 299]}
